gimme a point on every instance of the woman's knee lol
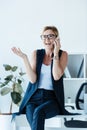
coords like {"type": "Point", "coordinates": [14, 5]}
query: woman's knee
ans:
{"type": "Point", "coordinates": [38, 113]}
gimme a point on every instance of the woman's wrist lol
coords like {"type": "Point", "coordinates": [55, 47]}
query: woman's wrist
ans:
{"type": "Point", "coordinates": [24, 57]}
{"type": "Point", "coordinates": [56, 57]}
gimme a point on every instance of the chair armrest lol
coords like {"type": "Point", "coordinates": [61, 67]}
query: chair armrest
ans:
{"type": "Point", "coordinates": [70, 106]}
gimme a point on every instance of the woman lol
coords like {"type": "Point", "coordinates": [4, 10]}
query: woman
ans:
{"type": "Point", "coordinates": [44, 96]}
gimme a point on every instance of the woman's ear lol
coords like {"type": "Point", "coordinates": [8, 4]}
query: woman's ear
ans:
{"type": "Point", "coordinates": [58, 39]}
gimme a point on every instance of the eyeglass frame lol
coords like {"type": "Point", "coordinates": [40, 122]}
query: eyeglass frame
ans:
{"type": "Point", "coordinates": [43, 37]}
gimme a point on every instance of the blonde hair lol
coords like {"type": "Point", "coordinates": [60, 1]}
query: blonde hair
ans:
{"type": "Point", "coordinates": [53, 28]}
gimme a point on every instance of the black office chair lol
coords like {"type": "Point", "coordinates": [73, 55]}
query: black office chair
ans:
{"type": "Point", "coordinates": [80, 96]}
{"type": "Point", "coordinates": [73, 123]}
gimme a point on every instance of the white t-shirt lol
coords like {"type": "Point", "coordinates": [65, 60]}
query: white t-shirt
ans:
{"type": "Point", "coordinates": [45, 81]}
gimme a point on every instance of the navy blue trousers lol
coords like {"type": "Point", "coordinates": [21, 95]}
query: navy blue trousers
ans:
{"type": "Point", "coordinates": [41, 106]}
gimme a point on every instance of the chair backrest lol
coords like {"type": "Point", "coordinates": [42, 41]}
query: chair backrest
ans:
{"type": "Point", "coordinates": [80, 96]}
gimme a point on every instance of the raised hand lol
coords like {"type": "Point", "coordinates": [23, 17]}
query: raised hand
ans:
{"type": "Point", "coordinates": [18, 52]}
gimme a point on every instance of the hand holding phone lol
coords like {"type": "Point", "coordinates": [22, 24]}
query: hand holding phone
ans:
{"type": "Point", "coordinates": [57, 45]}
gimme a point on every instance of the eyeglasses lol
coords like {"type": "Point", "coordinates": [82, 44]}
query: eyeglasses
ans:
{"type": "Point", "coordinates": [50, 36]}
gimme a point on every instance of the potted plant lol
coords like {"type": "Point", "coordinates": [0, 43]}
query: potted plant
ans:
{"type": "Point", "coordinates": [12, 84]}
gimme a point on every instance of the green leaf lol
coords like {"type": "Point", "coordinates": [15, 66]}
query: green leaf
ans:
{"type": "Point", "coordinates": [8, 78]}
{"type": "Point", "coordinates": [4, 84]}
{"type": "Point", "coordinates": [5, 91]}
{"type": "Point", "coordinates": [21, 73]}
{"type": "Point", "coordinates": [7, 67]}
{"type": "Point", "coordinates": [16, 97]}
{"type": "Point", "coordinates": [14, 68]}
{"type": "Point", "coordinates": [18, 88]}
{"type": "Point", "coordinates": [19, 81]}
{"type": "Point", "coordinates": [18, 104]}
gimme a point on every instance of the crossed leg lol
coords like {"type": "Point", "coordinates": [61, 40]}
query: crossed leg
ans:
{"type": "Point", "coordinates": [36, 115]}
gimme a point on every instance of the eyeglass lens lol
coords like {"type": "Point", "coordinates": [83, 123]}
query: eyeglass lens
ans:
{"type": "Point", "coordinates": [50, 36]}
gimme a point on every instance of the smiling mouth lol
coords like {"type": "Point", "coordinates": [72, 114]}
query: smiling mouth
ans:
{"type": "Point", "coordinates": [47, 43]}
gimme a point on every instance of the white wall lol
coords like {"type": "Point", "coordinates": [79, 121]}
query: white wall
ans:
{"type": "Point", "coordinates": [21, 22]}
